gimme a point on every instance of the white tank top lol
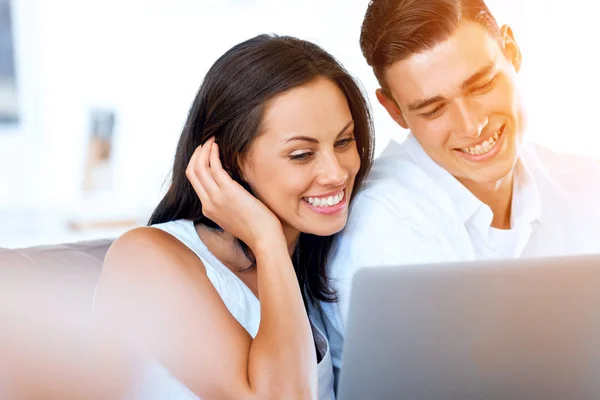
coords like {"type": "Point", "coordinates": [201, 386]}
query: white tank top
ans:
{"type": "Point", "coordinates": [156, 382]}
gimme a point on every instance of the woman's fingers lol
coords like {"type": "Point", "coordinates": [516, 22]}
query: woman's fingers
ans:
{"type": "Point", "coordinates": [202, 170]}
{"type": "Point", "coordinates": [201, 176]}
{"type": "Point", "coordinates": [225, 201]}
{"type": "Point", "coordinates": [221, 176]}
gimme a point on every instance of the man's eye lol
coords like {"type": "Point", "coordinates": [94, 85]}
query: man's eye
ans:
{"type": "Point", "coordinates": [485, 87]}
{"type": "Point", "coordinates": [433, 113]}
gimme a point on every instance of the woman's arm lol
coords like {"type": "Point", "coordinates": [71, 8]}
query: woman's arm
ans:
{"type": "Point", "coordinates": [156, 291]}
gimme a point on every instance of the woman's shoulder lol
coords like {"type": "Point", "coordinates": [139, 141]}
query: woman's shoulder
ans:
{"type": "Point", "coordinates": [144, 241]}
{"type": "Point", "coordinates": [149, 250]}
{"type": "Point", "coordinates": [144, 269]}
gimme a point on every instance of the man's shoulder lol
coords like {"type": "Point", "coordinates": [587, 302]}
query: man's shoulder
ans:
{"type": "Point", "coordinates": [560, 162]}
{"type": "Point", "coordinates": [396, 169]}
{"type": "Point", "coordinates": [398, 207]}
{"type": "Point", "coordinates": [567, 172]}
{"type": "Point", "coordinates": [398, 180]}
{"type": "Point", "coordinates": [400, 189]}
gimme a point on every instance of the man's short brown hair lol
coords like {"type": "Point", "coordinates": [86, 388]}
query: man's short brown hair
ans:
{"type": "Point", "coordinates": [394, 30]}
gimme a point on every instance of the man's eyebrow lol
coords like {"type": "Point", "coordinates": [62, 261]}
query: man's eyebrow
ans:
{"type": "Point", "coordinates": [478, 75]}
{"type": "Point", "coordinates": [419, 104]}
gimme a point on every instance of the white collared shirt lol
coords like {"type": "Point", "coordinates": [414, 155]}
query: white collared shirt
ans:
{"type": "Point", "coordinates": [412, 211]}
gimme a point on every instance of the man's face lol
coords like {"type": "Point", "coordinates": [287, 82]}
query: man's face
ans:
{"type": "Point", "coordinates": [460, 101]}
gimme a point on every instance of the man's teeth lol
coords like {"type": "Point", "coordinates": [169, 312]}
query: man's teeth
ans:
{"type": "Point", "coordinates": [325, 201]}
{"type": "Point", "coordinates": [483, 147]}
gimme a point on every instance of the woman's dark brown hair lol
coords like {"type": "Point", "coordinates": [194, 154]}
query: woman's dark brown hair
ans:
{"type": "Point", "coordinates": [230, 105]}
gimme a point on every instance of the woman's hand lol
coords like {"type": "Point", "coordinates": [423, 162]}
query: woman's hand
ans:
{"type": "Point", "coordinates": [227, 203]}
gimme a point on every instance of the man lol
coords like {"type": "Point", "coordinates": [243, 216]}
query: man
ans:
{"type": "Point", "coordinates": [463, 186]}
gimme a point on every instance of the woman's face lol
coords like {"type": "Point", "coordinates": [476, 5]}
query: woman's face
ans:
{"type": "Point", "coordinates": [303, 163]}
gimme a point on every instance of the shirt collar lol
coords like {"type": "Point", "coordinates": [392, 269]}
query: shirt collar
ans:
{"type": "Point", "coordinates": [465, 203]}
{"type": "Point", "coordinates": [526, 206]}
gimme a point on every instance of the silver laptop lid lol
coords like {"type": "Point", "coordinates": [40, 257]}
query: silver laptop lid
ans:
{"type": "Point", "coordinates": [518, 329]}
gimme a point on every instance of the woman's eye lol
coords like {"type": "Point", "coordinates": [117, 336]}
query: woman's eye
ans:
{"type": "Point", "coordinates": [341, 144]}
{"type": "Point", "coordinates": [301, 156]}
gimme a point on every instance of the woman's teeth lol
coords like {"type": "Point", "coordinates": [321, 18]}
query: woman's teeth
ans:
{"type": "Point", "coordinates": [325, 201]}
{"type": "Point", "coordinates": [484, 147]}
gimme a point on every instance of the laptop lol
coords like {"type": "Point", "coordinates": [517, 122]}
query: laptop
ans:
{"type": "Point", "coordinates": [485, 330]}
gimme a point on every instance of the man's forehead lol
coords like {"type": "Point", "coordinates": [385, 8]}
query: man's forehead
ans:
{"type": "Point", "coordinates": [445, 66]}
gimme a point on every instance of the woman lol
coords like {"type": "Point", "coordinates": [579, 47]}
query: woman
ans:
{"type": "Point", "coordinates": [278, 139]}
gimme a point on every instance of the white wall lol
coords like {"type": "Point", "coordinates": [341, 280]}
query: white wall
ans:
{"type": "Point", "coordinates": [146, 59]}
{"type": "Point", "coordinates": [563, 67]}
{"type": "Point", "coordinates": [20, 162]}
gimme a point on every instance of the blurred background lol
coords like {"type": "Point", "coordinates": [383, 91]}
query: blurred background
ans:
{"type": "Point", "coordinates": [94, 93]}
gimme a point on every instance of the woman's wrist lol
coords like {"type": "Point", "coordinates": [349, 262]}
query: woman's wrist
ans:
{"type": "Point", "coordinates": [269, 243]}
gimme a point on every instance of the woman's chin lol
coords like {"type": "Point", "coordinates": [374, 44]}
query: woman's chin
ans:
{"type": "Point", "coordinates": [325, 228]}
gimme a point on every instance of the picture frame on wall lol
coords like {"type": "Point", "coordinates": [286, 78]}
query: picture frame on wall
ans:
{"type": "Point", "coordinates": [9, 109]}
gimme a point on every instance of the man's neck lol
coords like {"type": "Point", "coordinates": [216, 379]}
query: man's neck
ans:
{"type": "Point", "coordinates": [497, 196]}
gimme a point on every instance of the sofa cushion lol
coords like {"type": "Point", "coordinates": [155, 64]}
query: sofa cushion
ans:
{"type": "Point", "coordinates": [82, 259]}
{"type": "Point", "coordinates": [49, 347]}
{"type": "Point", "coordinates": [61, 276]}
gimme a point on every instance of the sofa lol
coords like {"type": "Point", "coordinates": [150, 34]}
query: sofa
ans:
{"type": "Point", "coordinates": [66, 273]}
{"type": "Point", "coordinates": [47, 349]}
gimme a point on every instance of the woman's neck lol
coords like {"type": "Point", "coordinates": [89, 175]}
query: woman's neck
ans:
{"type": "Point", "coordinates": [220, 243]}
{"type": "Point", "coordinates": [291, 238]}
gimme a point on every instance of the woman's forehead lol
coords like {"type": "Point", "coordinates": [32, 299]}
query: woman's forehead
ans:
{"type": "Point", "coordinates": [318, 108]}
